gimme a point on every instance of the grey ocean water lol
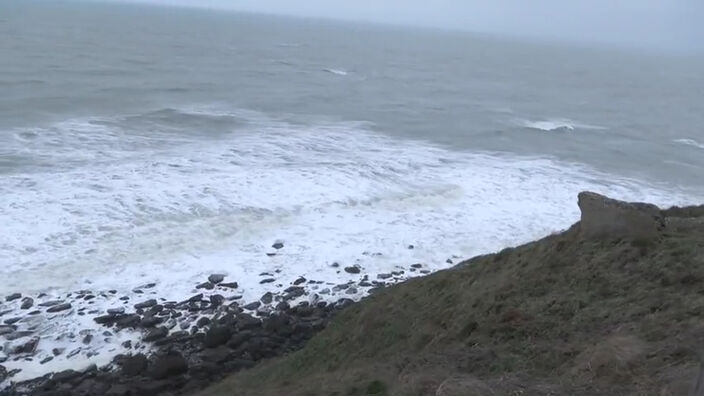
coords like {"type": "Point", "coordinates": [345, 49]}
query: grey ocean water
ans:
{"type": "Point", "coordinates": [144, 144]}
{"type": "Point", "coordinates": [133, 134]}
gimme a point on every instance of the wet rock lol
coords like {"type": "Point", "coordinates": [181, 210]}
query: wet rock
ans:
{"type": "Point", "coordinates": [353, 270]}
{"type": "Point", "coordinates": [27, 303]}
{"type": "Point", "coordinates": [202, 322]}
{"type": "Point", "coordinates": [154, 310]}
{"type": "Point", "coordinates": [216, 355]}
{"type": "Point", "coordinates": [6, 329]}
{"type": "Point", "coordinates": [51, 303]}
{"type": "Point", "coordinates": [13, 297]}
{"type": "Point", "coordinates": [424, 271]}
{"type": "Point", "coordinates": [118, 390]}
{"type": "Point", "coordinates": [252, 306]}
{"type": "Point", "coordinates": [12, 320]}
{"type": "Point", "coordinates": [130, 320]}
{"type": "Point", "coordinates": [278, 245]}
{"type": "Point", "coordinates": [87, 339]}
{"type": "Point", "coordinates": [124, 298]}
{"type": "Point", "coordinates": [150, 321]}
{"type": "Point", "coordinates": [168, 365]}
{"type": "Point", "coordinates": [197, 297]}
{"type": "Point", "coordinates": [231, 285]}
{"type": "Point", "coordinates": [217, 300]}
{"type": "Point", "coordinates": [133, 365]}
{"type": "Point", "coordinates": [299, 281]}
{"type": "Point", "coordinates": [206, 286]}
{"type": "Point", "coordinates": [267, 298]}
{"type": "Point", "coordinates": [216, 336]}
{"type": "Point", "coordinates": [145, 304]}
{"type": "Point", "coordinates": [18, 334]}
{"type": "Point", "coordinates": [116, 311]}
{"type": "Point", "coordinates": [46, 360]}
{"type": "Point", "coordinates": [156, 334]}
{"type": "Point", "coordinates": [59, 308]}
{"type": "Point", "coordinates": [27, 347]}
{"type": "Point", "coordinates": [247, 322]}
{"type": "Point", "coordinates": [449, 261]}
{"type": "Point", "coordinates": [416, 266]}
{"type": "Point", "coordinates": [57, 351]}
{"type": "Point", "coordinates": [105, 319]}
{"type": "Point", "coordinates": [216, 278]}
{"type": "Point", "coordinates": [283, 306]}
{"type": "Point", "coordinates": [3, 373]}
{"type": "Point", "coordinates": [351, 290]}
{"type": "Point", "coordinates": [65, 376]}
{"type": "Point", "coordinates": [267, 280]}
{"type": "Point", "coordinates": [5, 312]}
{"type": "Point", "coordinates": [411, 247]}
{"type": "Point", "coordinates": [384, 276]}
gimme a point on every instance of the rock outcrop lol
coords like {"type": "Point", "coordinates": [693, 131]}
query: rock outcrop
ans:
{"type": "Point", "coordinates": [603, 217]}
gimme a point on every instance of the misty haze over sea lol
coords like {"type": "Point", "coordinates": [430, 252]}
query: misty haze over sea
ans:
{"type": "Point", "coordinates": [153, 144]}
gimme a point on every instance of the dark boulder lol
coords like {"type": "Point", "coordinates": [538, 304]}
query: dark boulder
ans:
{"type": "Point", "coordinates": [231, 285]}
{"type": "Point", "coordinates": [203, 321]}
{"type": "Point", "coordinates": [150, 321]}
{"type": "Point", "coordinates": [131, 320]}
{"type": "Point", "coordinates": [217, 355]}
{"type": "Point", "coordinates": [27, 303]}
{"type": "Point", "coordinates": [216, 278]}
{"type": "Point", "coordinates": [216, 336]}
{"type": "Point", "coordinates": [65, 376]}
{"type": "Point", "coordinates": [156, 334]}
{"type": "Point", "coordinates": [50, 303]}
{"type": "Point", "coordinates": [216, 300]}
{"type": "Point", "coordinates": [13, 296]}
{"type": "Point", "coordinates": [134, 365]}
{"type": "Point", "coordinates": [27, 347]}
{"type": "Point", "coordinates": [168, 365]}
{"type": "Point", "coordinates": [353, 270]}
{"type": "Point", "coordinates": [267, 298]}
{"type": "Point", "coordinates": [145, 304]}
{"type": "Point", "coordinates": [59, 307]}
{"type": "Point", "coordinates": [206, 286]}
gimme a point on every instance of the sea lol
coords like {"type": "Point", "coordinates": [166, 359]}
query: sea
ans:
{"type": "Point", "coordinates": [144, 144]}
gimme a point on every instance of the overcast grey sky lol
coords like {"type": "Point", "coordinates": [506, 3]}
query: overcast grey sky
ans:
{"type": "Point", "coordinates": [677, 24]}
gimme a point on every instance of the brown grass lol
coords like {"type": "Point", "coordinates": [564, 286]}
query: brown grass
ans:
{"type": "Point", "coordinates": [560, 316]}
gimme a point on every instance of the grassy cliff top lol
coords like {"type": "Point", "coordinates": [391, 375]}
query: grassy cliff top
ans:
{"type": "Point", "coordinates": [609, 307]}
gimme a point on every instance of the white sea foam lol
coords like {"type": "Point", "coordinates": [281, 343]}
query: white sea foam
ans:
{"type": "Point", "coordinates": [122, 206]}
{"type": "Point", "coordinates": [556, 125]}
{"type": "Point", "coordinates": [690, 142]}
{"type": "Point", "coordinates": [339, 72]}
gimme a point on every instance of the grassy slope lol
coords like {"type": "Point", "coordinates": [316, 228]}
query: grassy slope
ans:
{"type": "Point", "coordinates": [558, 316]}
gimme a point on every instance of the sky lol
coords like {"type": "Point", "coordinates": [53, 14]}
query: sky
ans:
{"type": "Point", "coordinates": [669, 24]}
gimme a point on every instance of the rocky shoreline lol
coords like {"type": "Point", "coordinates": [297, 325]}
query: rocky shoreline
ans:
{"type": "Point", "coordinates": [170, 347]}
